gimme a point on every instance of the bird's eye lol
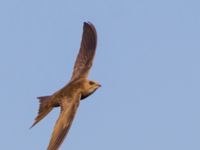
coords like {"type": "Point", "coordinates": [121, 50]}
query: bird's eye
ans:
{"type": "Point", "coordinates": [91, 83]}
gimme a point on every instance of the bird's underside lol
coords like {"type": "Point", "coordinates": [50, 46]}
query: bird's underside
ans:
{"type": "Point", "coordinates": [79, 87]}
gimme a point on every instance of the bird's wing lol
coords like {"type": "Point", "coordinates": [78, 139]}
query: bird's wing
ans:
{"type": "Point", "coordinates": [86, 53]}
{"type": "Point", "coordinates": [61, 128]}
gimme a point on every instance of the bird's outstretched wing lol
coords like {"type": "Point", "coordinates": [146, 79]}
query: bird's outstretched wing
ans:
{"type": "Point", "coordinates": [61, 128]}
{"type": "Point", "coordinates": [86, 53]}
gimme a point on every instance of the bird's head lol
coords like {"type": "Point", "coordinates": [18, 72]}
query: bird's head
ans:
{"type": "Point", "coordinates": [93, 85]}
{"type": "Point", "coordinates": [89, 88]}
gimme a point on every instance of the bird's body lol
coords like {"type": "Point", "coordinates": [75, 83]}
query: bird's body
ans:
{"type": "Point", "coordinates": [68, 97]}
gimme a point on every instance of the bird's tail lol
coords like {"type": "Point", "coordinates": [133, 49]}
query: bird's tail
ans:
{"type": "Point", "coordinates": [44, 109]}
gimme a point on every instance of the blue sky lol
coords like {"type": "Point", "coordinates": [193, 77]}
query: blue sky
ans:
{"type": "Point", "coordinates": [147, 61]}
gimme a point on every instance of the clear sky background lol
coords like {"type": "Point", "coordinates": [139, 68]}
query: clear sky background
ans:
{"type": "Point", "coordinates": [147, 60]}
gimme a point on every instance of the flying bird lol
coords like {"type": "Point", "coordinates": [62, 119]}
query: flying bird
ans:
{"type": "Point", "coordinates": [78, 88]}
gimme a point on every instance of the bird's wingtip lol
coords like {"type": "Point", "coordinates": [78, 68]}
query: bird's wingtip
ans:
{"type": "Point", "coordinates": [33, 125]}
{"type": "Point", "coordinates": [88, 23]}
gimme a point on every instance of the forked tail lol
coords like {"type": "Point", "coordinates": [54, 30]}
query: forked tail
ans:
{"type": "Point", "coordinates": [44, 109]}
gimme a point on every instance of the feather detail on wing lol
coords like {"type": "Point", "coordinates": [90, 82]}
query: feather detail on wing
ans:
{"type": "Point", "coordinates": [86, 53]}
{"type": "Point", "coordinates": [68, 110]}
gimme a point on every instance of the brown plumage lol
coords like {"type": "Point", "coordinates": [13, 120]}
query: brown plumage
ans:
{"type": "Point", "coordinates": [79, 87]}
